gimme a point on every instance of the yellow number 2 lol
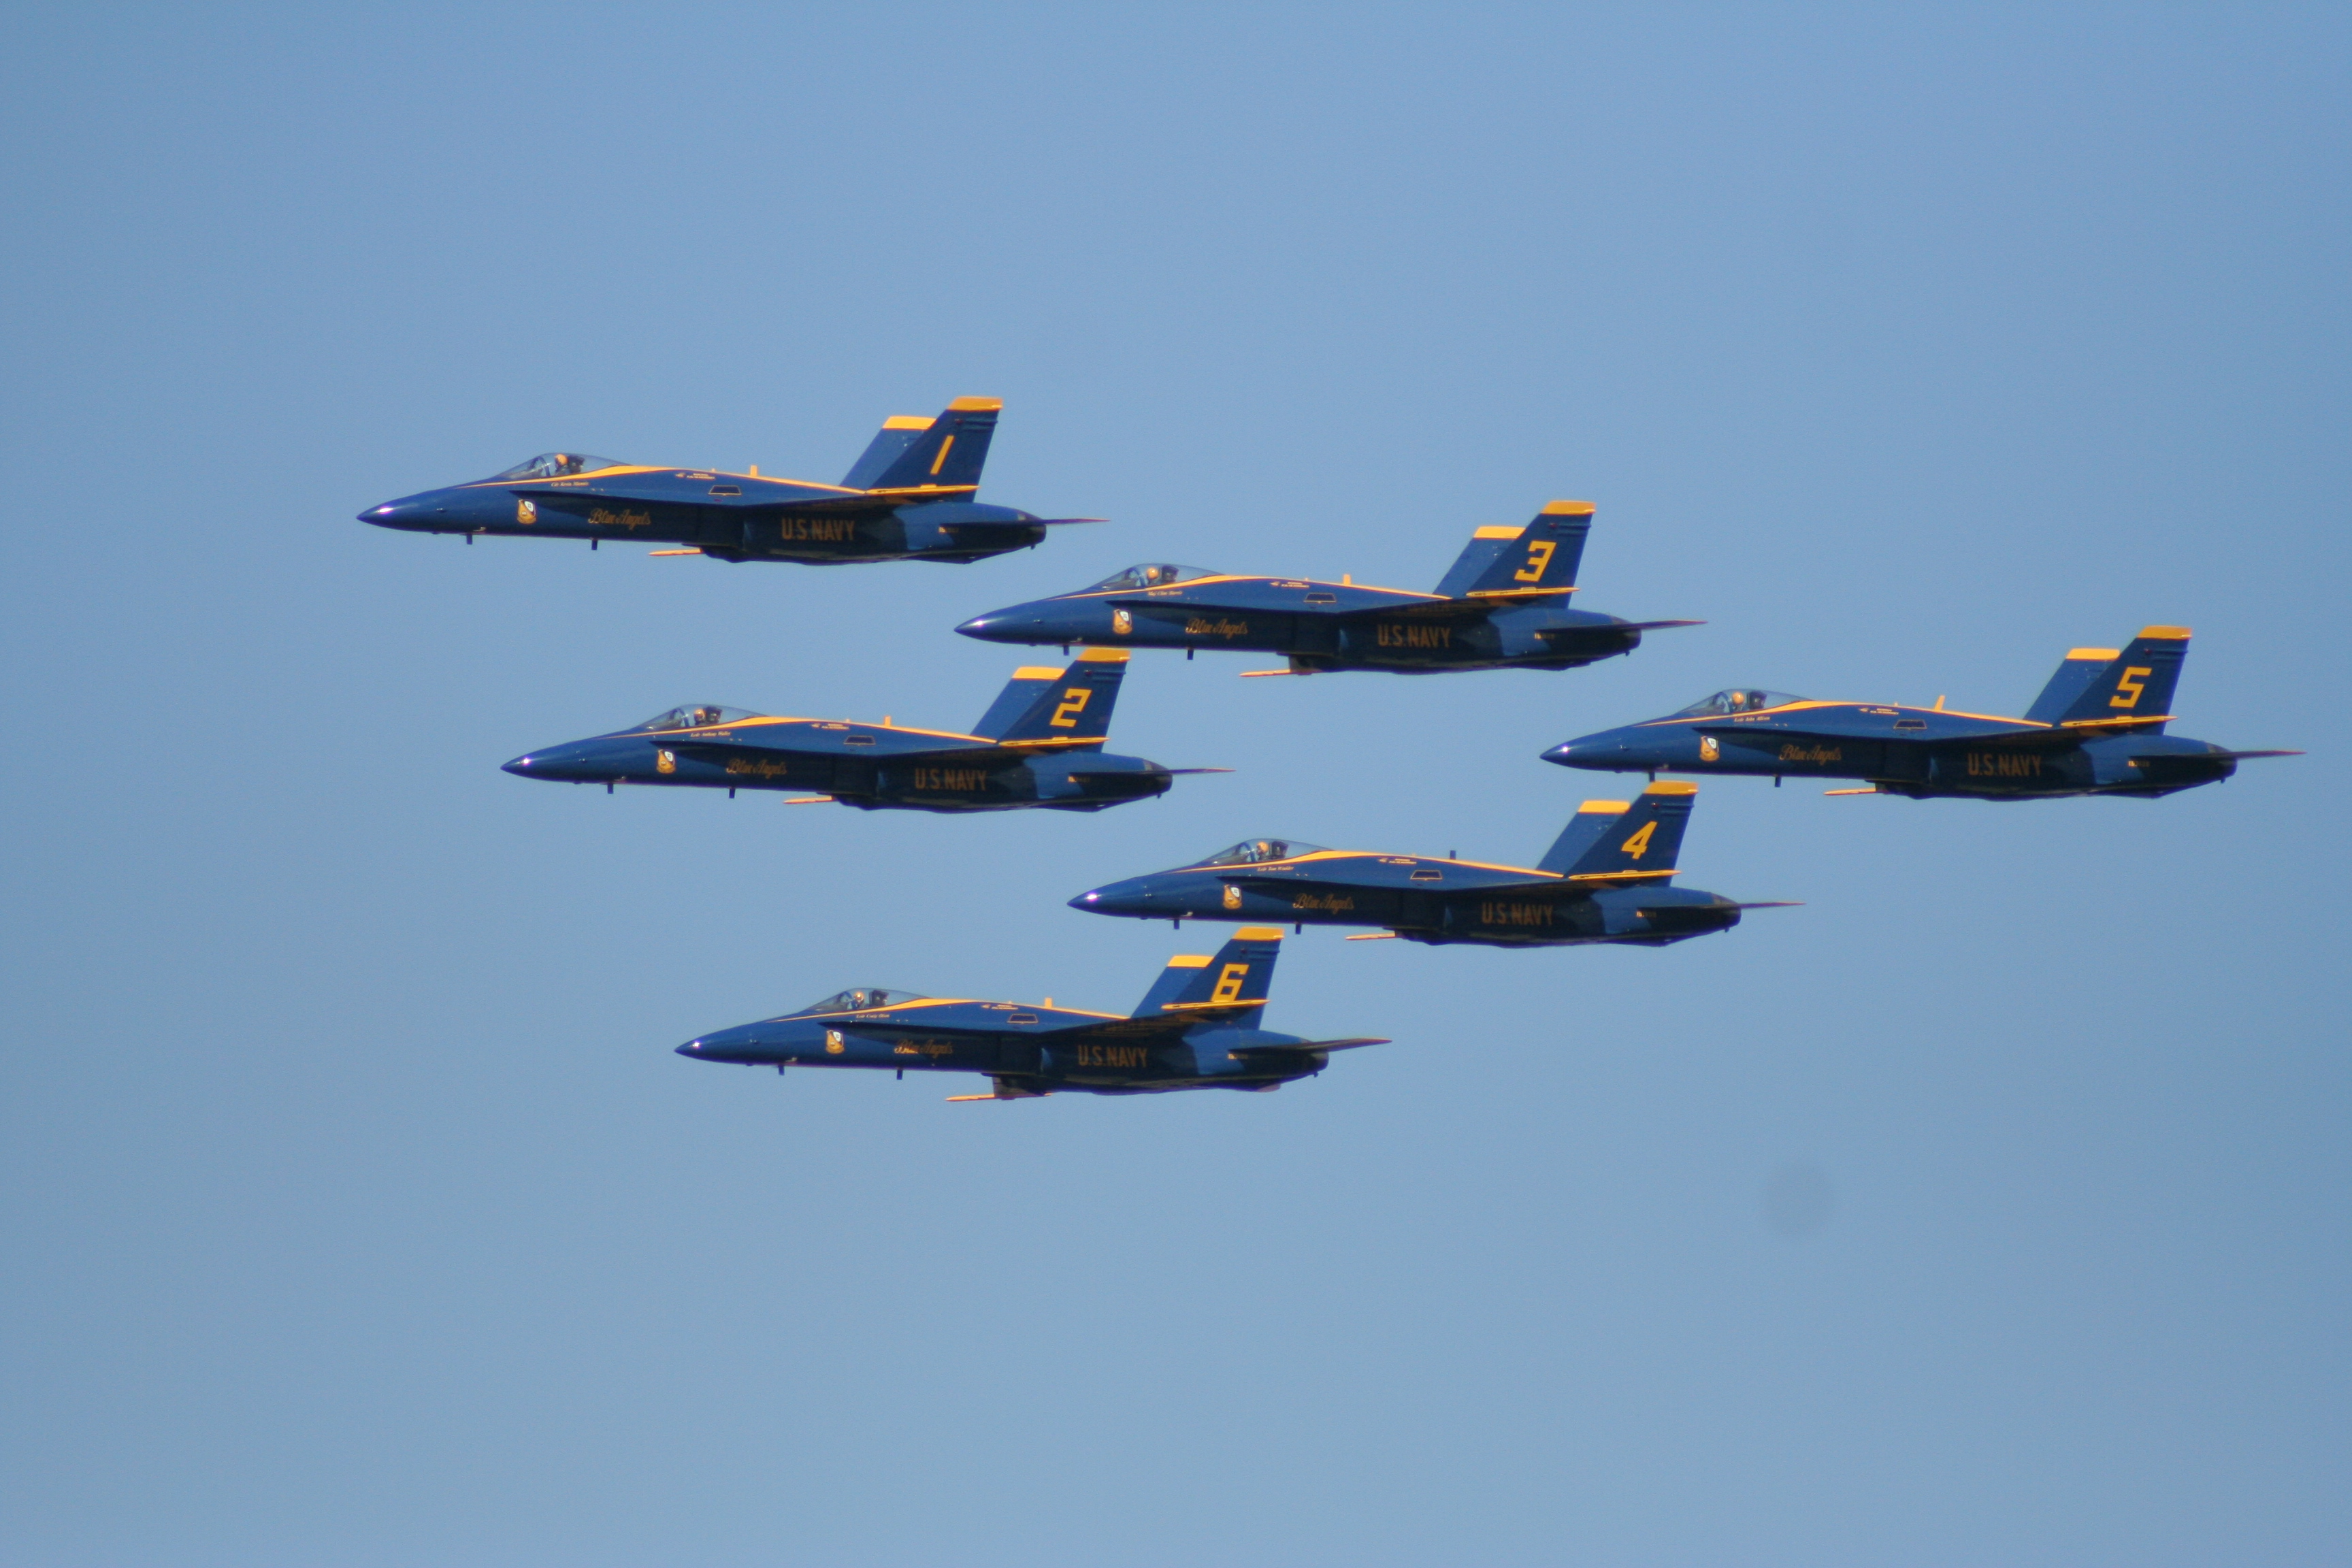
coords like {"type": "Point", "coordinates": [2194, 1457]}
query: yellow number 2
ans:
{"type": "Point", "coordinates": [2128, 688]}
{"type": "Point", "coordinates": [1074, 702]}
{"type": "Point", "coordinates": [1638, 844]}
{"type": "Point", "coordinates": [1539, 553]}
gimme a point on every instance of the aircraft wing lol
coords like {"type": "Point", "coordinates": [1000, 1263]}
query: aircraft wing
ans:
{"type": "Point", "coordinates": [723, 752]}
{"type": "Point", "coordinates": [831, 504]}
{"type": "Point", "coordinates": [2054, 737]}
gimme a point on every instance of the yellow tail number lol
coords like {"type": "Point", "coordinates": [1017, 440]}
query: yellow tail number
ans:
{"type": "Point", "coordinates": [1539, 553]}
{"type": "Point", "coordinates": [1074, 702]}
{"type": "Point", "coordinates": [1637, 844]}
{"type": "Point", "coordinates": [2128, 688]}
{"type": "Point", "coordinates": [1229, 983]}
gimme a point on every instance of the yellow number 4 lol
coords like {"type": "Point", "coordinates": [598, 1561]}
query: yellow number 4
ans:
{"type": "Point", "coordinates": [1074, 702]}
{"type": "Point", "coordinates": [1638, 844]}
{"type": "Point", "coordinates": [2128, 688]}
{"type": "Point", "coordinates": [1539, 553]}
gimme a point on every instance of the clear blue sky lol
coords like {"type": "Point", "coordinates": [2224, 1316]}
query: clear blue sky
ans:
{"type": "Point", "coordinates": [354, 1208]}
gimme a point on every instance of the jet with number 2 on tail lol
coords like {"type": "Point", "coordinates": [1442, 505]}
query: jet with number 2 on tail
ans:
{"type": "Point", "coordinates": [1039, 745]}
{"type": "Point", "coordinates": [1197, 1028]}
{"type": "Point", "coordinates": [1606, 879]}
{"type": "Point", "coordinates": [2096, 729]}
{"type": "Point", "coordinates": [909, 497]}
{"type": "Point", "coordinates": [1502, 606]}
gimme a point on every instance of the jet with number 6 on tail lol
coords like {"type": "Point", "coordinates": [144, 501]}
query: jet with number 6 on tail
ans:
{"type": "Point", "coordinates": [1606, 879]}
{"type": "Point", "coordinates": [1197, 1028]}
{"type": "Point", "coordinates": [909, 497]}
{"type": "Point", "coordinates": [2096, 729]}
{"type": "Point", "coordinates": [1039, 745]}
{"type": "Point", "coordinates": [1502, 606]}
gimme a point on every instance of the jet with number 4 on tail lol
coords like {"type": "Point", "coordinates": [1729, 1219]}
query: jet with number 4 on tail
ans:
{"type": "Point", "coordinates": [2096, 729]}
{"type": "Point", "coordinates": [1502, 606]}
{"type": "Point", "coordinates": [909, 497]}
{"type": "Point", "coordinates": [1197, 1028]}
{"type": "Point", "coordinates": [1608, 879]}
{"type": "Point", "coordinates": [1039, 745]}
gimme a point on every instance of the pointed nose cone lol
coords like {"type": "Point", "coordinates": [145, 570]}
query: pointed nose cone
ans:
{"type": "Point", "coordinates": [520, 765]}
{"type": "Point", "coordinates": [1132, 897]}
{"type": "Point", "coordinates": [989, 627]}
{"type": "Point", "coordinates": [1605, 750]}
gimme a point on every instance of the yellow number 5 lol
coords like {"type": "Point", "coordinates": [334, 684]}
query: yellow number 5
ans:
{"type": "Point", "coordinates": [2128, 688]}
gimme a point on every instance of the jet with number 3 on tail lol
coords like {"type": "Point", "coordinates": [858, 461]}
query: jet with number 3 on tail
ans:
{"type": "Point", "coordinates": [1608, 879]}
{"type": "Point", "coordinates": [909, 497]}
{"type": "Point", "coordinates": [2096, 729]}
{"type": "Point", "coordinates": [1197, 1028]}
{"type": "Point", "coordinates": [1040, 744]}
{"type": "Point", "coordinates": [1502, 606]}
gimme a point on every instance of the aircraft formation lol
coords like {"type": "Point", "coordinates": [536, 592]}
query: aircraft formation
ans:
{"type": "Point", "coordinates": [2097, 728]}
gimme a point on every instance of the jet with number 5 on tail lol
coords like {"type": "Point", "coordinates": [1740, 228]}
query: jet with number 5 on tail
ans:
{"type": "Point", "coordinates": [1606, 879]}
{"type": "Point", "coordinates": [1502, 606]}
{"type": "Point", "coordinates": [1039, 745]}
{"type": "Point", "coordinates": [1197, 1028]}
{"type": "Point", "coordinates": [2096, 729]}
{"type": "Point", "coordinates": [909, 497]}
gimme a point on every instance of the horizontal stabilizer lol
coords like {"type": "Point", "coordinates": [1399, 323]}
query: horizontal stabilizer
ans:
{"type": "Point", "coordinates": [2212, 756]}
{"type": "Point", "coordinates": [1256, 1053]}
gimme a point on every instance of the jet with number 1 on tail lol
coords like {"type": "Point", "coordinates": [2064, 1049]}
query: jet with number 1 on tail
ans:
{"type": "Point", "coordinates": [2096, 729]}
{"type": "Point", "coordinates": [1608, 879]}
{"type": "Point", "coordinates": [909, 497]}
{"type": "Point", "coordinates": [1039, 745]}
{"type": "Point", "coordinates": [1197, 1028]}
{"type": "Point", "coordinates": [1502, 606]}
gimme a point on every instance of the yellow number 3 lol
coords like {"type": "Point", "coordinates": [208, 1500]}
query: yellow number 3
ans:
{"type": "Point", "coordinates": [1539, 552]}
{"type": "Point", "coordinates": [1638, 845]}
{"type": "Point", "coordinates": [2128, 688]}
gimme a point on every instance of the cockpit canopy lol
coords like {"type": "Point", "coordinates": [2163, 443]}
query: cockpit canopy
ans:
{"type": "Point", "coordinates": [862, 998]}
{"type": "Point", "coordinates": [1737, 700]}
{"type": "Point", "coordinates": [1258, 851]}
{"type": "Point", "coordinates": [1154, 576]}
{"type": "Point", "coordinates": [556, 466]}
{"type": "Point", "coordinates": [698, 716]}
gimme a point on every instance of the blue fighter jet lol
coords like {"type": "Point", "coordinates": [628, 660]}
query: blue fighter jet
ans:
{"type": "Point", "coordinates": [1501, 607]}
{"type": "Point", "coordinates": [1197, 1028]}
{"type": "Point", "coordinates": [2096, 729]}
{"type": "Point", "coordinates": [909, 497]}
{"type": "Point", "coordinates": [1607, 879]}
{"type": "Point", "coordinates": [1039, 744]}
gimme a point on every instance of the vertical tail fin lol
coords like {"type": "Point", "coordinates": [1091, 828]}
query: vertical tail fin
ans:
{"type": "Point", "coordinates": [1241, 974]}
{"type": "Point", "coordinates": [2102, 683]}
{"type": "Point", "coordinates": [1644, 835]}
{"type": "Point", "coordinates": [1042, 703]}
{"type": "Point", "coordinates": [945, 453]}
{"type": "Point", "coordinates": [1544, 556]}
{"type": "Point", "coordinates": [898, 433]}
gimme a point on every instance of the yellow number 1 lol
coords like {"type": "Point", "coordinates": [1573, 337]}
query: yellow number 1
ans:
{"type": "Point", "coordinates": [2128, 688]}
{"type": "Point", "coordinates": [1074, 702]}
